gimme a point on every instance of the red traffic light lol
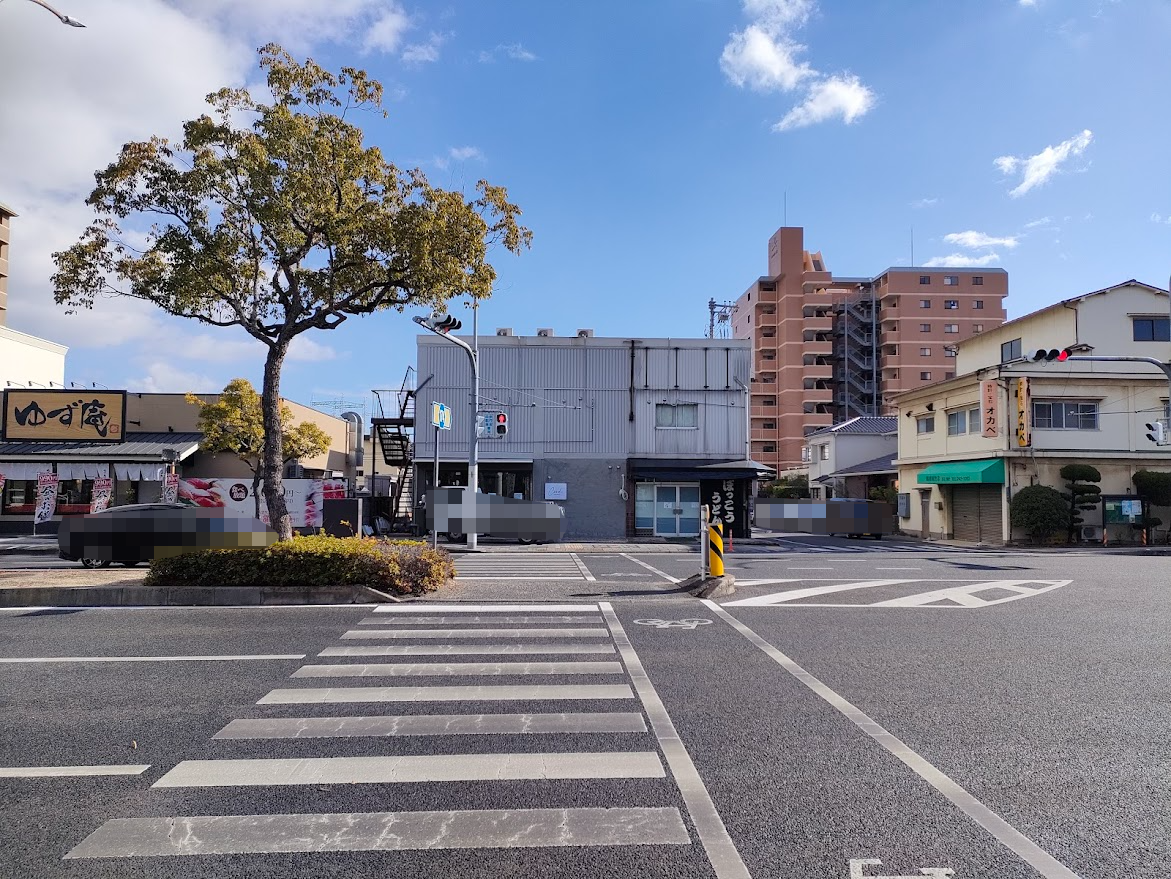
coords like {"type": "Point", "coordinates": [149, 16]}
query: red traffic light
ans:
{"type": "Point", "coordinates": [1064, 355]}
{"type": "Point", "coordinates": [1052, 354]}
{"type": "Point", "coordinates": [501, 418]}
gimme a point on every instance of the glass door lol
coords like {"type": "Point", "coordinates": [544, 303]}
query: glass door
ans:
{"type": "Point", "coordinates": [667, 510]}
{"type": "Point", "coordinates": [689, 509]}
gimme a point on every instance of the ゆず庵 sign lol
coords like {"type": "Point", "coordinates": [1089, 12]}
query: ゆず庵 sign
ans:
{"type": "Point", "coordinates": [63, 416]}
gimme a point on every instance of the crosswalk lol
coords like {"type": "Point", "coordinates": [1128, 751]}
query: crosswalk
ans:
{"type": "Point", "coordinates": [481, 660]}
{"type": "Point", "coordinates": [522, 566]}
{"type": "Point", "coordinates": [893, 593]}
{"type": "Point", "coordinates": [861, 546]}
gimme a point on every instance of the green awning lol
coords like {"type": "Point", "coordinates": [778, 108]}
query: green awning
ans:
{"type": "Point", "coordinates": [961, 472]}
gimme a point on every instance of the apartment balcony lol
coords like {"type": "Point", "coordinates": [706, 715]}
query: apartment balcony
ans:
{"type": "Point", "coordinates": [817, 422]}
{"type": "Point", "coordinates": [816, 282]}
{"type": "Point", "coordinates": [825, 373]}
{"type": "Point", "coordinates": [763, 412]}
{"type": "Point", "coordinates": [764, 435]}
{"type": "Point", "coordinates": [823, 324]}
{"type": "Point", "coordinates": [818, 348]}
{"type": "Point", "coordinates": [818, 395]}
{"type": "Point", "coordinates": [769, 387]}
{"type": "Point", "coordinates": [766, 318]}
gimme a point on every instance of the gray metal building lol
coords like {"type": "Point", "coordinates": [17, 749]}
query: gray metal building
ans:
{"type": "Point", "coordinates": [630, 436]}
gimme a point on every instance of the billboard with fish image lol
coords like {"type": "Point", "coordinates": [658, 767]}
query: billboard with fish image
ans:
{"type": "Point", "coordinates": [304, 498]}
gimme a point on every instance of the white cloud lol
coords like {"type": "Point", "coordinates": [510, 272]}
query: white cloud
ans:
{"type": "Point", "coordinates": [843, 96]}
{"type": "Point", "coordinates": [515, 51]}
{"type": "Point", "coordinates": [960, 260]}
{"type": "Point", "coordinates": [462, 154]}
{"type": "Point", "coordinates": [764, 57]}
{"type": "Point", "coordinates": [973, 240]}
{"type": "Point", "coordinates": [1043, 221]}
{"type": "Point", "coordinates": [924, 202]}
{"type": "Point", "coordinates": [1039, 168]}
{"type": "Point", "coordinates": [1028, 2]}
{"type": "Point", "coordinates": [162, 377]}
{"type": "Point", "coordinates": [387, 32]}
{"type": "Point", "coordinates": [423, 53]}
{"type": "Point", "coordinates": [304, 349]}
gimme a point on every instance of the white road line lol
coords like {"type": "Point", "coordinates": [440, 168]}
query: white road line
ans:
{"type": "Point", "coordinates": [383, 831]}
{"type": "Point", "coordinates": [407, 669]}
{"type": "Point", "coordinates": [795, 594]}
{"type": "Point", "coordinates": [475, 633]}
{"type": "Point", "coordinates": [432, 725]}
{"type": "Point", "coordinates": [721, 851]}
{"type": "Point", "coordinates": [898, 569]}
{"type": "Point", "coordinates": [467, 649]}
{"type": "Point", "coordinates": [512, 577]}
{"type": "Point", "coordinates": [525, 693]}
{"type": "Point", "coordinates": [650, 568]}
{"type": "Point", "coordinates": [585, 572]}
{"type": "Point", "coordinates": [71, 771]}
{"type": "Point", "coordinates": [246, 658]}
{"type": "Point", "coordinates": [1014, 840]}
{"type": "Point", "coordinates": [467, 620]}
{"type": "Point", "coordinates": [966, 595]}
{"type": "Point", "coordinates": [483, 608]}
{"type": "Point", "coordinates": [810, 569]}
{"type": "Point", "coordinates": [413, 769]}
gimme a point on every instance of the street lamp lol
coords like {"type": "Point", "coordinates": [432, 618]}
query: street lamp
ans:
{"type": "Point", "coordinates": [62, 17]}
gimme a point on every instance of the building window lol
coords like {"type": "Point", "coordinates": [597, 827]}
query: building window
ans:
{"type": "Point", "coordinates": [815, 493]}
{"type": "Point", "coordinates": [925, 425]}
{"type": "Point", "coordinates": [924, 279]}
{"type": "Point", "coordinates": [769, 447]}
{"type": "Point", "coordinates": [924, 352]}
{"type": "Point", "coordinates": [681, 416]}
{"type": "Point", "coordinates": [951, 328]}
{"type": "Point", "coordinates": [951, 280]}
{"type": "Point", "coordinates": [951, 303]}
{"type": "Point", "coordinates": [977, 281]}
{"type": "Point", "coordinates": [19, 496]}
{"type": "Point", "coordinates": [924, 328]}
{"type": "Point", "coordinates": [1064, 415]}
{"type": "Point", "coordinates": [1010, 351]}
{"type": "Point", "coordinates": [806, 456]}
{"type": "Point", "coordinates": [924, 303]}
{"type": "Point", "coordinates": [977, 328]}
{"type": "Point", "coordinates": [949, 351]}
{"type": "Point", "coordinates": [978, 304]}
{"type": "Point", "coordinates": [948, 375]}
{"type": "Point", "coordinates": [1152, 329]}
{"type": "Point", "coordinates": [973, 420]}
{"type": "Point", "coordinates": [769, 402]}
{"type": "Point", "coordinates": [770, 425]}
{"type": "Point", "coordinates": [823, 452]}
{"type": "Point", "coordinates": [925, 376]}
{"type": "Point", "coordinates": [957, 423]}
{"type": "Point", "coordinates": [894, 373]}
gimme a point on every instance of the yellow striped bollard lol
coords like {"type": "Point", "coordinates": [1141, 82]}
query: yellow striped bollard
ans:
{"type": "Point", "coordinates": [716, 547]}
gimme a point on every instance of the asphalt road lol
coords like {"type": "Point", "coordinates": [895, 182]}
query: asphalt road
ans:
{"type": "Point", "coordinates": [995, 714]}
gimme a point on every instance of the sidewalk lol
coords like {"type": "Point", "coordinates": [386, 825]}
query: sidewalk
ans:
{"type": "Point", "coordinates": [28, 545]}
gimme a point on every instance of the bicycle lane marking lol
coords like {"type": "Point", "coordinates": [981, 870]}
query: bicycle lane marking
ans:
{"type": "Point", "coordinates": [1005, 833]}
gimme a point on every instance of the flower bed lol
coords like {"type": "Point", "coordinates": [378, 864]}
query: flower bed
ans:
{"type": "Point", "coordinates": [406, 567]}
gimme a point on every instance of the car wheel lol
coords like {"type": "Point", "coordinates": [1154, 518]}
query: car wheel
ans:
{"type": "Point", "coordinates": [133, 564]}
{"type": "Point", "coordinates": [525, 540]}
{"type": "Point", "coordinates": [454, 537]}
{"type": "Point", "coordinates": [95, 563]}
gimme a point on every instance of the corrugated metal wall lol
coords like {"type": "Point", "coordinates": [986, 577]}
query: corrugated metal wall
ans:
{"type": "Point", "coordinates": [574, 399]}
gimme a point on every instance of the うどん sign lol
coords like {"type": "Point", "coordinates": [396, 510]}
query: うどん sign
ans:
{"type": "Point", "coordinates": [33, 416]}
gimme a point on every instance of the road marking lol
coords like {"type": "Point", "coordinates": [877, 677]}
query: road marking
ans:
{"type": "Point", "coordinates": [467, 649]}
{"type": "Point", "coordinates": [858, 870]}
{"type": "Point", "coordinates": [71, 771]}
{"type": "Point", "coordinates": [794, 594]}
{"type": "Point", "coordinates": [414, 769]}
{"type": "Point", "coordinates": [721, 851]}
{"type": "Point", "coordinates": [585, 572]}
{"type": "Point", "coordinates": [258, 657]}
{"type": "Point", "coordinates": [898, 569]}
{"type": "Point", "coordinates": [650, 568]}
{"type": "Point", "coordinates": [455, 620]}
{"type": "Point", "coordinates": [405, 669]}
{"type": "Point", "coordinates": [309, 696]}
{"type": "Point", "coordinates": [965, 596]}
{"type": "Point", "coordinates": [673, 624]}
{"type": "Point", "coordinates": [432, 725]}
{"type": "Point", "coordinates": [383, 831]}
{"type": "Point", "coordinates": [484, 608]}
{"type": "Point", "coordinates": [1014, 840]}
{"type": "Point", "coordinates": [475, 633]}
{"type": "Point", "coordinates": [810, 569]}
{"type": "Point", "coordinates": [515, 577]}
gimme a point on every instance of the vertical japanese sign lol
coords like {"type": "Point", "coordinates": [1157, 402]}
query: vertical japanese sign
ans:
{"type": "Point", "coordinates": [171, 488]}
{"type": "Point", "coordinates": [1022, 412]}
{"type": "Point", "coordinates": [100, 500]}
{"type": "Point", "coordinates": [1, 485]}
{"type": "Point", "coordinates": [989, 406]}
{"type": "Point", "coordinates": [46, 497]}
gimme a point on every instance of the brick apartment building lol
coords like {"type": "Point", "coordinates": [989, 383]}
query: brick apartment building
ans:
{"type": "Point", "coordinates": [827, 349]}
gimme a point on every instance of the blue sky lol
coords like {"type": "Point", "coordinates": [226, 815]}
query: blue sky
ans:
{"type": "Point", "coordinates": [652, 147]}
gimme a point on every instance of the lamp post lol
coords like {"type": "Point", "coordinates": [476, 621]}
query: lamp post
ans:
{"type": "Point", "coordinates": [61, 16]}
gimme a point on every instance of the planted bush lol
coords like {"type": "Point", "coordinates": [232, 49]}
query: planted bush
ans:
{"type": "Point", "coordinates": [405, 567]}
{"type": "Point", "coordinates": [1040, 511]}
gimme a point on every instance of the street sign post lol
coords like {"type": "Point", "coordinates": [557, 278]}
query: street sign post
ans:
{"type": "Point", "coordinates": [441, 420]}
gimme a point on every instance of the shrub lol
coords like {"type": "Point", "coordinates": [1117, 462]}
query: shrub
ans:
{"type": "Point", "coordinates": [887, 494]}
{"type": "Point", "coordinates": [1154, 487]}
{"type": "Point", "coordinates": [1040, 511]}
{"type": "Point", "coordinates": [406, 567]}
{"type": "Point", "coordinates": [1082, 496]}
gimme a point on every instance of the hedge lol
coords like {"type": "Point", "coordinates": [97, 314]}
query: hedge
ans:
{"type": "Point", "coordinates": [405, 567]}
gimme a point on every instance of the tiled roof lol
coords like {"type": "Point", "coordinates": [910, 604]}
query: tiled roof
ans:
{"type": "Point", "coordinates": [882, 464]}
{"type": "Point", "coordinates": [137, 445]}
{"type": "Point", "coordinates": [864, 425]}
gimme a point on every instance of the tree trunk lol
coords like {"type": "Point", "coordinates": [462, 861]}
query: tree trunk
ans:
{"type": "Point", "coordinates": [272, 463]}
{"type": "Point", "coordinates": [256, 489]}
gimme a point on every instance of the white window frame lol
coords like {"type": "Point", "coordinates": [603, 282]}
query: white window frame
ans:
{"type": "Point", "coordinates": [924, 425]}
{"type": "Point", "coordinates": [951, 328]}
{"type": "Point", "coordinates": [675, 409]}
{"type": "Point", "coordinates": [823, 452]}
{"type": "Point", "coordinates": [975, 421]}
{"type": "Point", "coordinates": [924, 352]}
{"type": "Point", "coordinates": [957, 422]}
{"type": "Point", "coordinates": [1085, 409]}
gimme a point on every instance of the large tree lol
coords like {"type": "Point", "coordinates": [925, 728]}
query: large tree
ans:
{"type": "Point", "coordinates": [235, 424]}
{"type": "Point", "coordinates": [274, 216]}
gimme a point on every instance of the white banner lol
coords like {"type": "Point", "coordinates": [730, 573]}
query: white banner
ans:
{"type": "Point", "coordinates": [1, 486]}
{"type": "Point", "coordinates": [100, 499]}
{"type": "Point", "coordinates": [171, 488]}
{"type": "Point", "coordinates": [304, 498]}
{"type": "Point", "coordinates": [46, 497]}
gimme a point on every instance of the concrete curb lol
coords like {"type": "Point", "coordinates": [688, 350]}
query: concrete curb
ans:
{"type": "Point", "coordinates": [709, 587]}
{"type": "Point", "coordinates": [187, 596]}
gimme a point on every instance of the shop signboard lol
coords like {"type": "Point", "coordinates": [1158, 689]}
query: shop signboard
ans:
{"type": "Point", "coordinates": [728, 503]}
{"type": "Point", "coordinates": [46, 497]}
{"type": "Point", "coordinates": [100, 499]}
{"type": "Point", "coordinates": [33, 416]}
{"type": "Point", "coordinates": [171, 488]}
{"type": "Point", "coordinates": [988, 408]}
{"type": "Point", "coordinates": [304, 498]}
{"type": "Point", "coordinates": [1, 485]}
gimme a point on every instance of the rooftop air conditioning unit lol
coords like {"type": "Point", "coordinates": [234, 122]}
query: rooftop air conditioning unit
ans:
{"type": "Point", "coordinates": [545, 332]}
{"type": "Point", "coordinates": [504, 331]}
{"type": "Point", "coordinates": [585, 334]}
{"type": "Point", "coordinates": [1091, 532]}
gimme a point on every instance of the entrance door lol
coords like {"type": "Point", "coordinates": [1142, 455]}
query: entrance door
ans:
{"type": "Point", "coordinates": [676, 510]}
{"type": "Point", "coordinates": [925, 514]}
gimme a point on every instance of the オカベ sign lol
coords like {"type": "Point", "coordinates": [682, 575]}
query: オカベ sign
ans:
{"type": "Point", "coordinates": [33, 416]}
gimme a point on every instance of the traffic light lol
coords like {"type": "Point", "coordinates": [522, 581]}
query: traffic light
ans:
{"type": "Point", "coordinates": [1158, 432]}
{"type": "Point", "coordinates": [439, 322]}
{"type": "Point", "coordinates": [1052, 354]}
{"type": "Point", "coordinates": [501, 423]}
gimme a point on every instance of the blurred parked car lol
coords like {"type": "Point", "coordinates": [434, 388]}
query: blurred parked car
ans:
{"type": "Point", "coordinates": [137, 533]}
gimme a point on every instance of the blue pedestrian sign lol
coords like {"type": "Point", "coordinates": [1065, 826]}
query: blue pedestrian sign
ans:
{"type": "Point", "coordinates": [441, 416]}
